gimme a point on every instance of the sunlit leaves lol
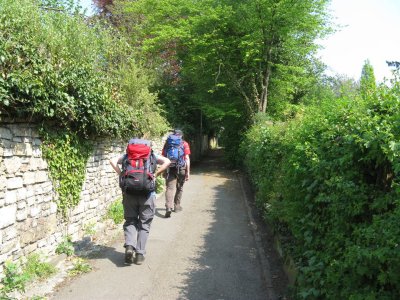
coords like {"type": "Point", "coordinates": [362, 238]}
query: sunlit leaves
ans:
{"type": "Point", "coordinates": [56, 66]}
{"type": "Point", "coordinates": [329, 181]}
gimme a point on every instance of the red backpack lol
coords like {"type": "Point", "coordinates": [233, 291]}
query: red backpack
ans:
{"type": "Point", "coordinates": [138, 167]}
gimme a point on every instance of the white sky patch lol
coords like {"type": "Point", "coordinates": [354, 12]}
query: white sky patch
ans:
{"type": "Point", "coordinates": [88, 5]}
{"type": "Point", "coordinates": [369, 31]}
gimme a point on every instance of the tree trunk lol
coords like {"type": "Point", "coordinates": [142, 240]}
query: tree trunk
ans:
{"type": "Point", "coordinates": [264, 91]}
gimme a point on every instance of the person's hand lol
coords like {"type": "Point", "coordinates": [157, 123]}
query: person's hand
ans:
{"type": "Point", "coordinates": [186, 176]}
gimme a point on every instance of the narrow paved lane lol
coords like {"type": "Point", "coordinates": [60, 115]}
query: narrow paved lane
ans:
{"type": "Point", "coordinates": [207, 251]}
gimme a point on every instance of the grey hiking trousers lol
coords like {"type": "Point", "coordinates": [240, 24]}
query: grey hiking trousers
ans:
{"type": "Point", "coordinates": [138, 213]}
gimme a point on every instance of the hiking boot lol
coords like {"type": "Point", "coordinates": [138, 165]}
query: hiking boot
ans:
{"type": "Point", "coordinates": [139, 259]}
{"type": "Point", "coordinates": [178, 208]}
{"type": "Point", "coordinates": [129, 254]}
{"type": "Point", "coordinates": [168, 213]}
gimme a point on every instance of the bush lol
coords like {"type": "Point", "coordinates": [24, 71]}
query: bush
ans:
{"type": "Point", "coordinates": [80, 266]}
{"type": "Point", "coordinates": [330, 179]}
{"type": "Point", "coordinates": [18, 274]}
{"type": "Point", "coordinates": [66, 247]}
{"type": "Point", "coordinates": [14, 279]}
{"type": "Point", "coordinates": [160, 184]}
{"type": "Point", "coordinates": [58, 68]}
{"type": "Point", "coordinates": [36, 268]}
{"type": "Point", "coordinates": [116, 212]}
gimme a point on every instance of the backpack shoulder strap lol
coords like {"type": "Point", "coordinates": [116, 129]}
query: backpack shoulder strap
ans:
{"type": "Point", "coordinates": [124, 161]}
{"type": "Point", "coordinates": [152, 162]}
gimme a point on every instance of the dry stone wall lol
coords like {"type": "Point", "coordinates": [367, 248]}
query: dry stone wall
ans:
{"type": "Point", "coordinates": [28, 211]}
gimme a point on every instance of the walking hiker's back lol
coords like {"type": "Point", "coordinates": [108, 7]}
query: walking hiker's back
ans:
{"type": "Point", "coordinates": [137, 180]}
{"type": "Point", "coordinates": [178, 151]}
{"type": "Point", "coordinates": [175, 151]}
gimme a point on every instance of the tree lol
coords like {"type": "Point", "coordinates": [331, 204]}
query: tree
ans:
{"type": "Point", "coordinates": [278, 41]}
{"type": "Point", "coordinates": [242, 46]}
{"type": "Point", "coordinates": [250, 45]}
{"type": "Point", "coordinates": [367, 80]}
{"type": "Point", "coordinates": [103, 6]}
{"type": "Point", "coordinates": [228, 59]}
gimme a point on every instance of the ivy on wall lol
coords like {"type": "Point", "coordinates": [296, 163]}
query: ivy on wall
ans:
{"type": "Point", "coordinates": [66, 155]}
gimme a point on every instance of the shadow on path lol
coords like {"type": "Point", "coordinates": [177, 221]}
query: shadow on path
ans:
{"type": "Point", "coordinates": [227, 266]}
{"type": "Point", "coordinates": [228, 249]}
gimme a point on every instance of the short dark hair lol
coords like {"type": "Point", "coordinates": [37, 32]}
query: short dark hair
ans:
{"type": "Point", "coordinates": [178, 132]}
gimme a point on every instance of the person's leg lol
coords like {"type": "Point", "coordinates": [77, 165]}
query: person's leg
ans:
{"type": "Point", "coordinates": [146, 215]}
{"type": "Point", "coordinates": [131, 215]}
{"type": "Point", "coordinates": [179, 190]}
{"type": "Point", "coordinates": [170, 191]}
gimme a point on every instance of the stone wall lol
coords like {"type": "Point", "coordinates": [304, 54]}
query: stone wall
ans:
{"type": "Point", "coordinates": [28, 211]}
{"type": "Point", "coordinates": [29, 221]}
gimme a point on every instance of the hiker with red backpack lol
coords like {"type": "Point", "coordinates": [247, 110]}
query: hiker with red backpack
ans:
{"type": "Point", "coordinates": [137, 180]}
{"type": "Point", "coordinates": [177, 150]}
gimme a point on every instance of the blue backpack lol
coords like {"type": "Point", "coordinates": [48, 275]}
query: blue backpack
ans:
{"type": "Point", "coordinates": [175, 151]}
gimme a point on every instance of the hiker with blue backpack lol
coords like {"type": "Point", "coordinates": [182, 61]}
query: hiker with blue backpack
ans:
{"type": "Point", "coordinates": [137, 180]}
{"type": "Point", "coordinates": [177, 150]}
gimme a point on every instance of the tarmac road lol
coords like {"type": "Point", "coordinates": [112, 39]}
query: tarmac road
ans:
{"type": "Point", "coordinates": [207, 251]}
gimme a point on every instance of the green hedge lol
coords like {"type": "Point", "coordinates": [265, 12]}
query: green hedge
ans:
{"type": "Point", "coordinates": [329, 182]}
{"type": "Point", "coordinates": [58, 67]}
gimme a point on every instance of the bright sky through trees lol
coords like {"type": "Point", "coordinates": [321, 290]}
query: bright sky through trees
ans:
{"type": "Point", "coordinates": [88, 5]}
{"type": "Point", "coordinates": [367, 31]}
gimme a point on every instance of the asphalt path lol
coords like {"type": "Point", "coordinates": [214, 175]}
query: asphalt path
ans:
{"type": "Point", "coordinates": [207, 251]}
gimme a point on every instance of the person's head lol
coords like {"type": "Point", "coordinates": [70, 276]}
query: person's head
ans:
{"type": "Point", "coordinates": [178, 132]}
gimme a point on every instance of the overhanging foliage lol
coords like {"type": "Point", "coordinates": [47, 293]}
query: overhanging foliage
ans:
{"type": "Point", "coordinates": [57, 67]}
